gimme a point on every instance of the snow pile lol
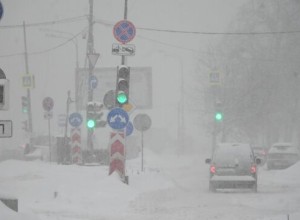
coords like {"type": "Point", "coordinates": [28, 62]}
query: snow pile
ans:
{"type": "Point", "coordinates": [171, 186]}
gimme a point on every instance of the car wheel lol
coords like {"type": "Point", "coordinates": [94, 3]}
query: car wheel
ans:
{"type": "Point", "coordinates": [212, 188]}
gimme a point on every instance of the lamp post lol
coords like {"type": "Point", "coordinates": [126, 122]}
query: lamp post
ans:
{"type": "Point", "coordinates": [181, 103]}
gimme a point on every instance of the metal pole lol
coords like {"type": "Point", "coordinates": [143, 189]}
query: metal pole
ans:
{"type": "Point", "coordinates": [69, 100]}
{"type": "Point", "coordinates": [90, 90]}
{"type": "Point", "coordinates": [123, 62]}
{"type": "Point", "coordinates": [49, 137]}
{"type": "Point", "coordinates": [30, 127]}
{"type": "Point", "coordinates": [214, 137]}
{"type": "Point", "coordinates": [182, 141]}
{"type": "Point", "coordinates": [142, 151]}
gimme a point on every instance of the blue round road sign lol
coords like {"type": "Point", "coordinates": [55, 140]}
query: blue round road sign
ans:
{"type": "Point", "coordinates": [75, 119]}
{"type": "Point", "coordinates": [129, 128]}
{"type": "Point", "coordinates": [1, 10]}
{"type": "Point", "coordinates": [117, 118]}
{"type": "Point", "coordinates": [124, 31]}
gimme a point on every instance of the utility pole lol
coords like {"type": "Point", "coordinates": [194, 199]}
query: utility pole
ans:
{"type": "Point", "coordinates": [30, 127]}
{"type": "Point", "coordinates": [125, 18]}
{"type": "Point", "coordinates": [91, 67]}
{"type": "Point", "coordinates": [69, 101]}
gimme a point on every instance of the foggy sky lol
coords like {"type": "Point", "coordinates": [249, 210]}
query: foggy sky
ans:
{"type": "Point", "coordinates": [167, 53]}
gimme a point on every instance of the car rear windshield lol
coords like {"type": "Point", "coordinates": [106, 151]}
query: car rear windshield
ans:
{"type": "Point", "coordinates": [232, 155]}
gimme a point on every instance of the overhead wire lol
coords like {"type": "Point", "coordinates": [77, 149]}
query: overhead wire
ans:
{"type": "Point", "coordinates": [61, 21]}
{"type": "Point", "coordinates": [49, 49]}
{"type": "Point", "coordinates": [108, 23]}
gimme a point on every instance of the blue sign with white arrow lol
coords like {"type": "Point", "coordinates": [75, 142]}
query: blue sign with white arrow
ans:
{"type": "Point", "coordinates": [93, 82]}
{"type": "Point", "coordinates": [117, 118]}
{"type": "Point", "coordinates": [75, 119]}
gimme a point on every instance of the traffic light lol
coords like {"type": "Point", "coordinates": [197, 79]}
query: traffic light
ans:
{"type": "Point", "coordinates": [218, 116]}
{"type": "Point", "coordinates": [94, 115]}
{"type": "Point", "coordinates": [122, 88]}
{"type": "Point", "coordinates": [25, 104]}
{"type": "Point", "coordinates": [4, 92]}
{"type": "Point", "coordinates": [25, 125]}
{"type": "Point", "coordinates": [218, 112]}
{"type": "Point", "coordinates": [90, 121]}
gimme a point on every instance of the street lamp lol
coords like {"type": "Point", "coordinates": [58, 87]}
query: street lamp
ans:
{"type": "Point", "coordinates": [181, 103]}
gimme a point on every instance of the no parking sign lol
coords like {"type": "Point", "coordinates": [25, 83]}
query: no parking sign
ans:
{"type": "Point", "coordinates": [124, 31]}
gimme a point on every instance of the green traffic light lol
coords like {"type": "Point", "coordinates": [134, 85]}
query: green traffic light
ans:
{"type": "Point", "coordinates": [218, 116]}
{"type": "Point", "coordinates": [91, 123]}
{"type": "Point", "coordinates": [24, 110]}
{"type": "Point", "coordinates": [122, 98]}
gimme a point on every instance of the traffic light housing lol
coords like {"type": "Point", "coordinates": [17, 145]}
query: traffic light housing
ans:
{"type": "Point", "coordinates": [25, 104]}
{"type": "Point", "coordinates": [94, 115]}
{"type": "Point", "coordinates": [4, 93]}
{"type": "Point", "coordinates": [122, 87]}
{"type": "Point", "coordinates": [219, 116]}
{"type": "Point", "coordinates": [218, 112]}
{"type": "Point", "coordinates": [25, 126]}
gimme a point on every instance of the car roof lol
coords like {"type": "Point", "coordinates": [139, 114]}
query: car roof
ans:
{"type": "Point", "coordinates": [283, 144]}
{"type": "Point", "coordinates": [233, 144]}
{"type": "Point", "coordinates": [283, 148]}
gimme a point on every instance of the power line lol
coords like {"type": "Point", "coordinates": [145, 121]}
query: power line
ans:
{"type": "Point", "coordinates": [65, 20]}
{"type": "Point", "coordinates": [108, 23]}
{"type": "Point", "coordinates": [168, 44]}
{"type": "Point", "coordinates": [220, 33]}
{"type": "Point", "coordinates": [47, 50]}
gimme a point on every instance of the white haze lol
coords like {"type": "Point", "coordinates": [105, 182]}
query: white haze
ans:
{"type": "Point", "coordinates": [166, 53]}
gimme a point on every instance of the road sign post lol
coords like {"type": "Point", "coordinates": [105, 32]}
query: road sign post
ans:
{"type": "Point", "coordinates": [142, 122]}
{"type": "Point", "coordinates": [48, 104]}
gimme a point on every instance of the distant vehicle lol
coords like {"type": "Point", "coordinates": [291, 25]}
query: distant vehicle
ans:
{"type": "Point", "coordinates": [233, 165]}
{"type": "Point", "coordinates": [282, 156]}
{"type": "Point", "coordinates": [261, 153]}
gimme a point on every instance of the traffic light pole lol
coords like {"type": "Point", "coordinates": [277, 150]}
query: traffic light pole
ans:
{"type": "Point", "coordinates": [123, 62]}
{"type": "Point", "coordinates": [30, 127]}
{"type": "Point", "coordinates": [91, 67]}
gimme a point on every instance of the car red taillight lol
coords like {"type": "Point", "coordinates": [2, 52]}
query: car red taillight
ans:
{"type": "Point", "coordinates": [253, 169]}
{"type": "Point", "coordinates": [212, 169]}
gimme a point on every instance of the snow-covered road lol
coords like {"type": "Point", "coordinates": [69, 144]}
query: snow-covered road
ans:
{"type": "Point", "coordinates": [172, 187]}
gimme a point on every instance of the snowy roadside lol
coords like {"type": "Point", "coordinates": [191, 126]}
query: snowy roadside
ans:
{"type": "Point", "coordinates": [172, 186]}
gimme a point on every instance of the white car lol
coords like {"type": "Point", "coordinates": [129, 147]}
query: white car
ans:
{"type": "Point", "coordinates": [282, 155]}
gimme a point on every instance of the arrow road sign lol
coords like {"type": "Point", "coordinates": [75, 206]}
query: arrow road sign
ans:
{"type": "Point", "coordinates": [117, 118]}
{"type": "Point", "coordinates": [93, 82]}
